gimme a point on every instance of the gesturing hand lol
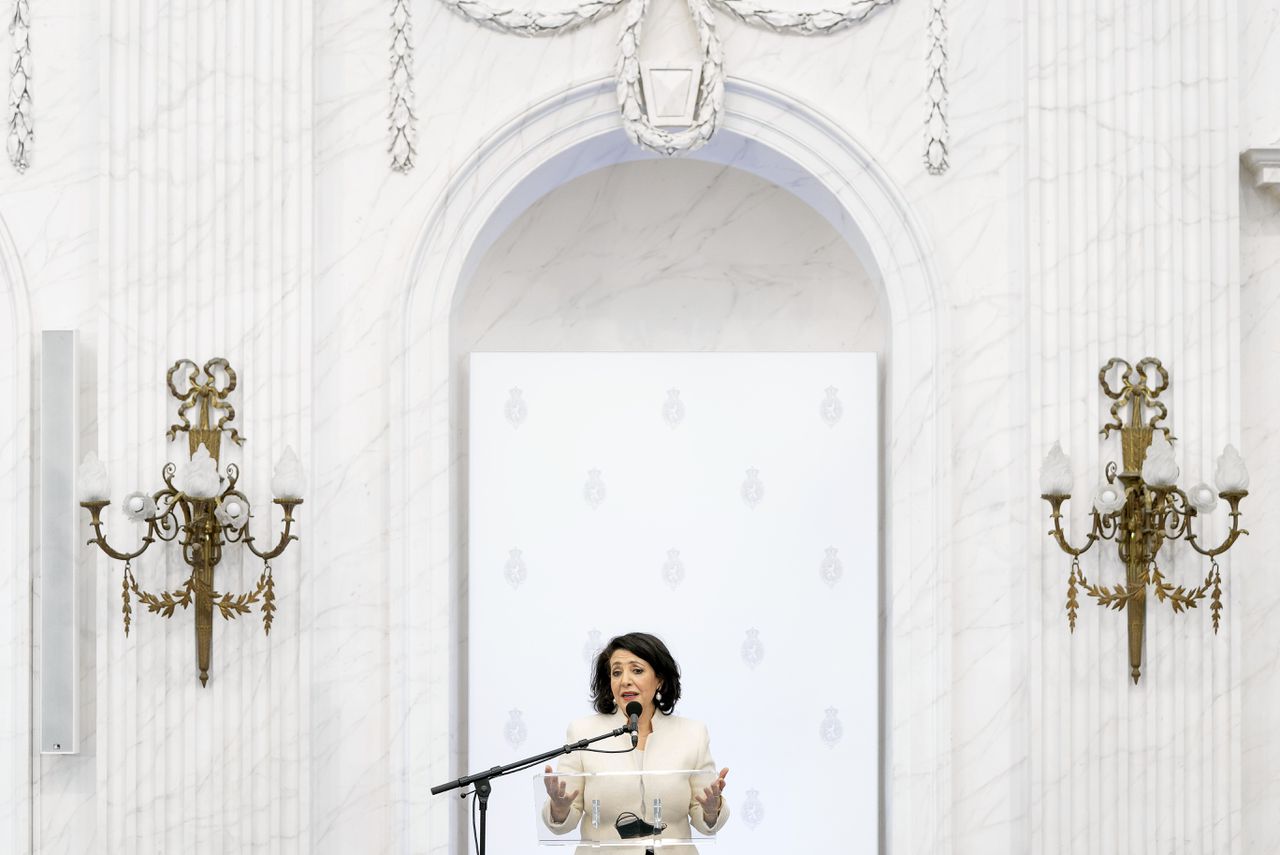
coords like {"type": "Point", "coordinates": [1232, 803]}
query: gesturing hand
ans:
{"type": "Point", "coordinates": [710, 798]}
{"type": "Point", "coordinates": [560, 800]}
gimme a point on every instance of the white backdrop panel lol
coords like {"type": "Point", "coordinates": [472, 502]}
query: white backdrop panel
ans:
{"type": "Point", "coordinates": [614, 492]}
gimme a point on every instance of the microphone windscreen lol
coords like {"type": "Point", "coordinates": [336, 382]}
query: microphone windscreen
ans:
{"type": "Point", "coordinates": [634, 708]}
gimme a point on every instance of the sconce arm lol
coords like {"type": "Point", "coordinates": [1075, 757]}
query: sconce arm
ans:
{"type": "Point", "coordinates": [285, 536]}
{"type": "Point", "coordinates": [1234, 498]}
{"type": "Point", "coordinates": [95, 511]}
{"type": "Point", "coordinates": [1055, 503]}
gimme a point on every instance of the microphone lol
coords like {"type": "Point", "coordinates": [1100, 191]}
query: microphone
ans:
{"type": "Point", "coordinates": [633, 721]}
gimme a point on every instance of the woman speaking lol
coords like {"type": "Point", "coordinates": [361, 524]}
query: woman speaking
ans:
{"type": "Point", "coordinates": [637, 668]}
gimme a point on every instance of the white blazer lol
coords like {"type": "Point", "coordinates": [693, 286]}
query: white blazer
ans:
{"type": "Point", "coordinates": [675, 744]}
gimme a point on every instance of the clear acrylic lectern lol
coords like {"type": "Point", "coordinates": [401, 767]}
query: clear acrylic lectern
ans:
{"type": "Point", "coordinates": [621, 811]}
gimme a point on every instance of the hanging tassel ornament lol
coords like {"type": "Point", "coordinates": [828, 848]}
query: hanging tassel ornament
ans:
{"type": "Point", "coordinates": [267, 584]}
{"type": "Point", "coordinates": [124, 594]}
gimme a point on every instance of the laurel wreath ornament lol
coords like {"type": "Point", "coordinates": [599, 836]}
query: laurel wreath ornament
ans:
{"type": "Point", "coordinates": [20, 136]}
{"type": "Point", "coordinates": [228, 605]}
{"type": "Point", "coordinates": [937, 136]}
{"type": "Point", "coordinates": [532, 23]}
{"type": "Point", "coordinates": [709, 103]}
{"type": "Point", "coordinates": [400, 116]}
{"type": "Point", "coordinates": [823, 22]}
{"type": "Point", "coordinates": [1179, 598]}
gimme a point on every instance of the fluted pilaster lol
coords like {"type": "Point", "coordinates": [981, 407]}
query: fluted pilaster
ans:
{"type": "Point", "coordinates": [1132, 251]}
{"type": "Point", "coordinates": [205, 250]}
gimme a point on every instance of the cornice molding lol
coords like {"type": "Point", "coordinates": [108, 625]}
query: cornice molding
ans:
{"type": "Point", "coordinates": [1264, 163]}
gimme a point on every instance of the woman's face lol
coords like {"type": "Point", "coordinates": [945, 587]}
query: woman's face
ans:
{"type": "Point", "coordinates": [632, 679]}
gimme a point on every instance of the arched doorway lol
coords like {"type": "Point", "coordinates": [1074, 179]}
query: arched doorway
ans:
{"type": "Point", "coordinates": [787, 143]}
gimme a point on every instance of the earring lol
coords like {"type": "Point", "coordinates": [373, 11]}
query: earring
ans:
{"type": "Point", "coordinates": [657, 695]}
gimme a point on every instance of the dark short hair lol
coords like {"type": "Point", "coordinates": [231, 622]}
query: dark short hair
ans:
{"type": "Point", "coordinates": [649, 648]}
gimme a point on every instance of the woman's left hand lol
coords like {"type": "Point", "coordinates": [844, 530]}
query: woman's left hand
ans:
{"type": "Point", "coordinates": [710, 798]}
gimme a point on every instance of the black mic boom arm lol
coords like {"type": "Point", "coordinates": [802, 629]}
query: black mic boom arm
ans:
{"type": "Point", "coordinates": [499, 771]}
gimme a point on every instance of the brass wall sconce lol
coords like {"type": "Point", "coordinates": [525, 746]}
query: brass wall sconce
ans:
{"type": "Point", "coordinates": [1146, 508]}
{"type": "Point", "coordinates": [199, 508]}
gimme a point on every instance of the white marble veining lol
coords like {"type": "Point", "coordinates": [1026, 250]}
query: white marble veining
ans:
{"type": "Point", "coordinates": [659, 256]}
{"type": "Point", "coordinates": [158, 231]}
{"type": "Point", "coordinates": [795, 135]}
{"type": "Point", "coordinates": [1259, 597]}
{"type": "Point", "coordinates": [676, 256]}
{"type": "Point", "coordinates": [49, 216]}
{"type": "Point", "coordinates": [16, 508]}
{"type": "Point", "coordinates": [213, 178]}
{"type": "Point", "coordinates": [1131, 252]}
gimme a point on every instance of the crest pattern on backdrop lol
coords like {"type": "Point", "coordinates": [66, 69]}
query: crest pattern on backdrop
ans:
{"type": "Point", "coordinates": [725, 502]}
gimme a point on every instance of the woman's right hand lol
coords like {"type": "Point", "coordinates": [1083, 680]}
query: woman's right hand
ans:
{"type": "Point", "coordinates": [560, 800]}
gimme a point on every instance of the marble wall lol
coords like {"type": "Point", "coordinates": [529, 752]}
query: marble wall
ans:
{"type": "Point", "coordinates": [213, 179]}
{"type": "Point", "coordinates": [1133, 180]}
{"type": "Point", "coordinates": [686, 255]}
{"type": "Point", "coordinates": [16, 512]}
{"type": "Point", "coordinates": [1259, 350]}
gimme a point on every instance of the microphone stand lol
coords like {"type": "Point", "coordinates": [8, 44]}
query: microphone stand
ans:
{"type": "Point", "coordinates": [483, 781]}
